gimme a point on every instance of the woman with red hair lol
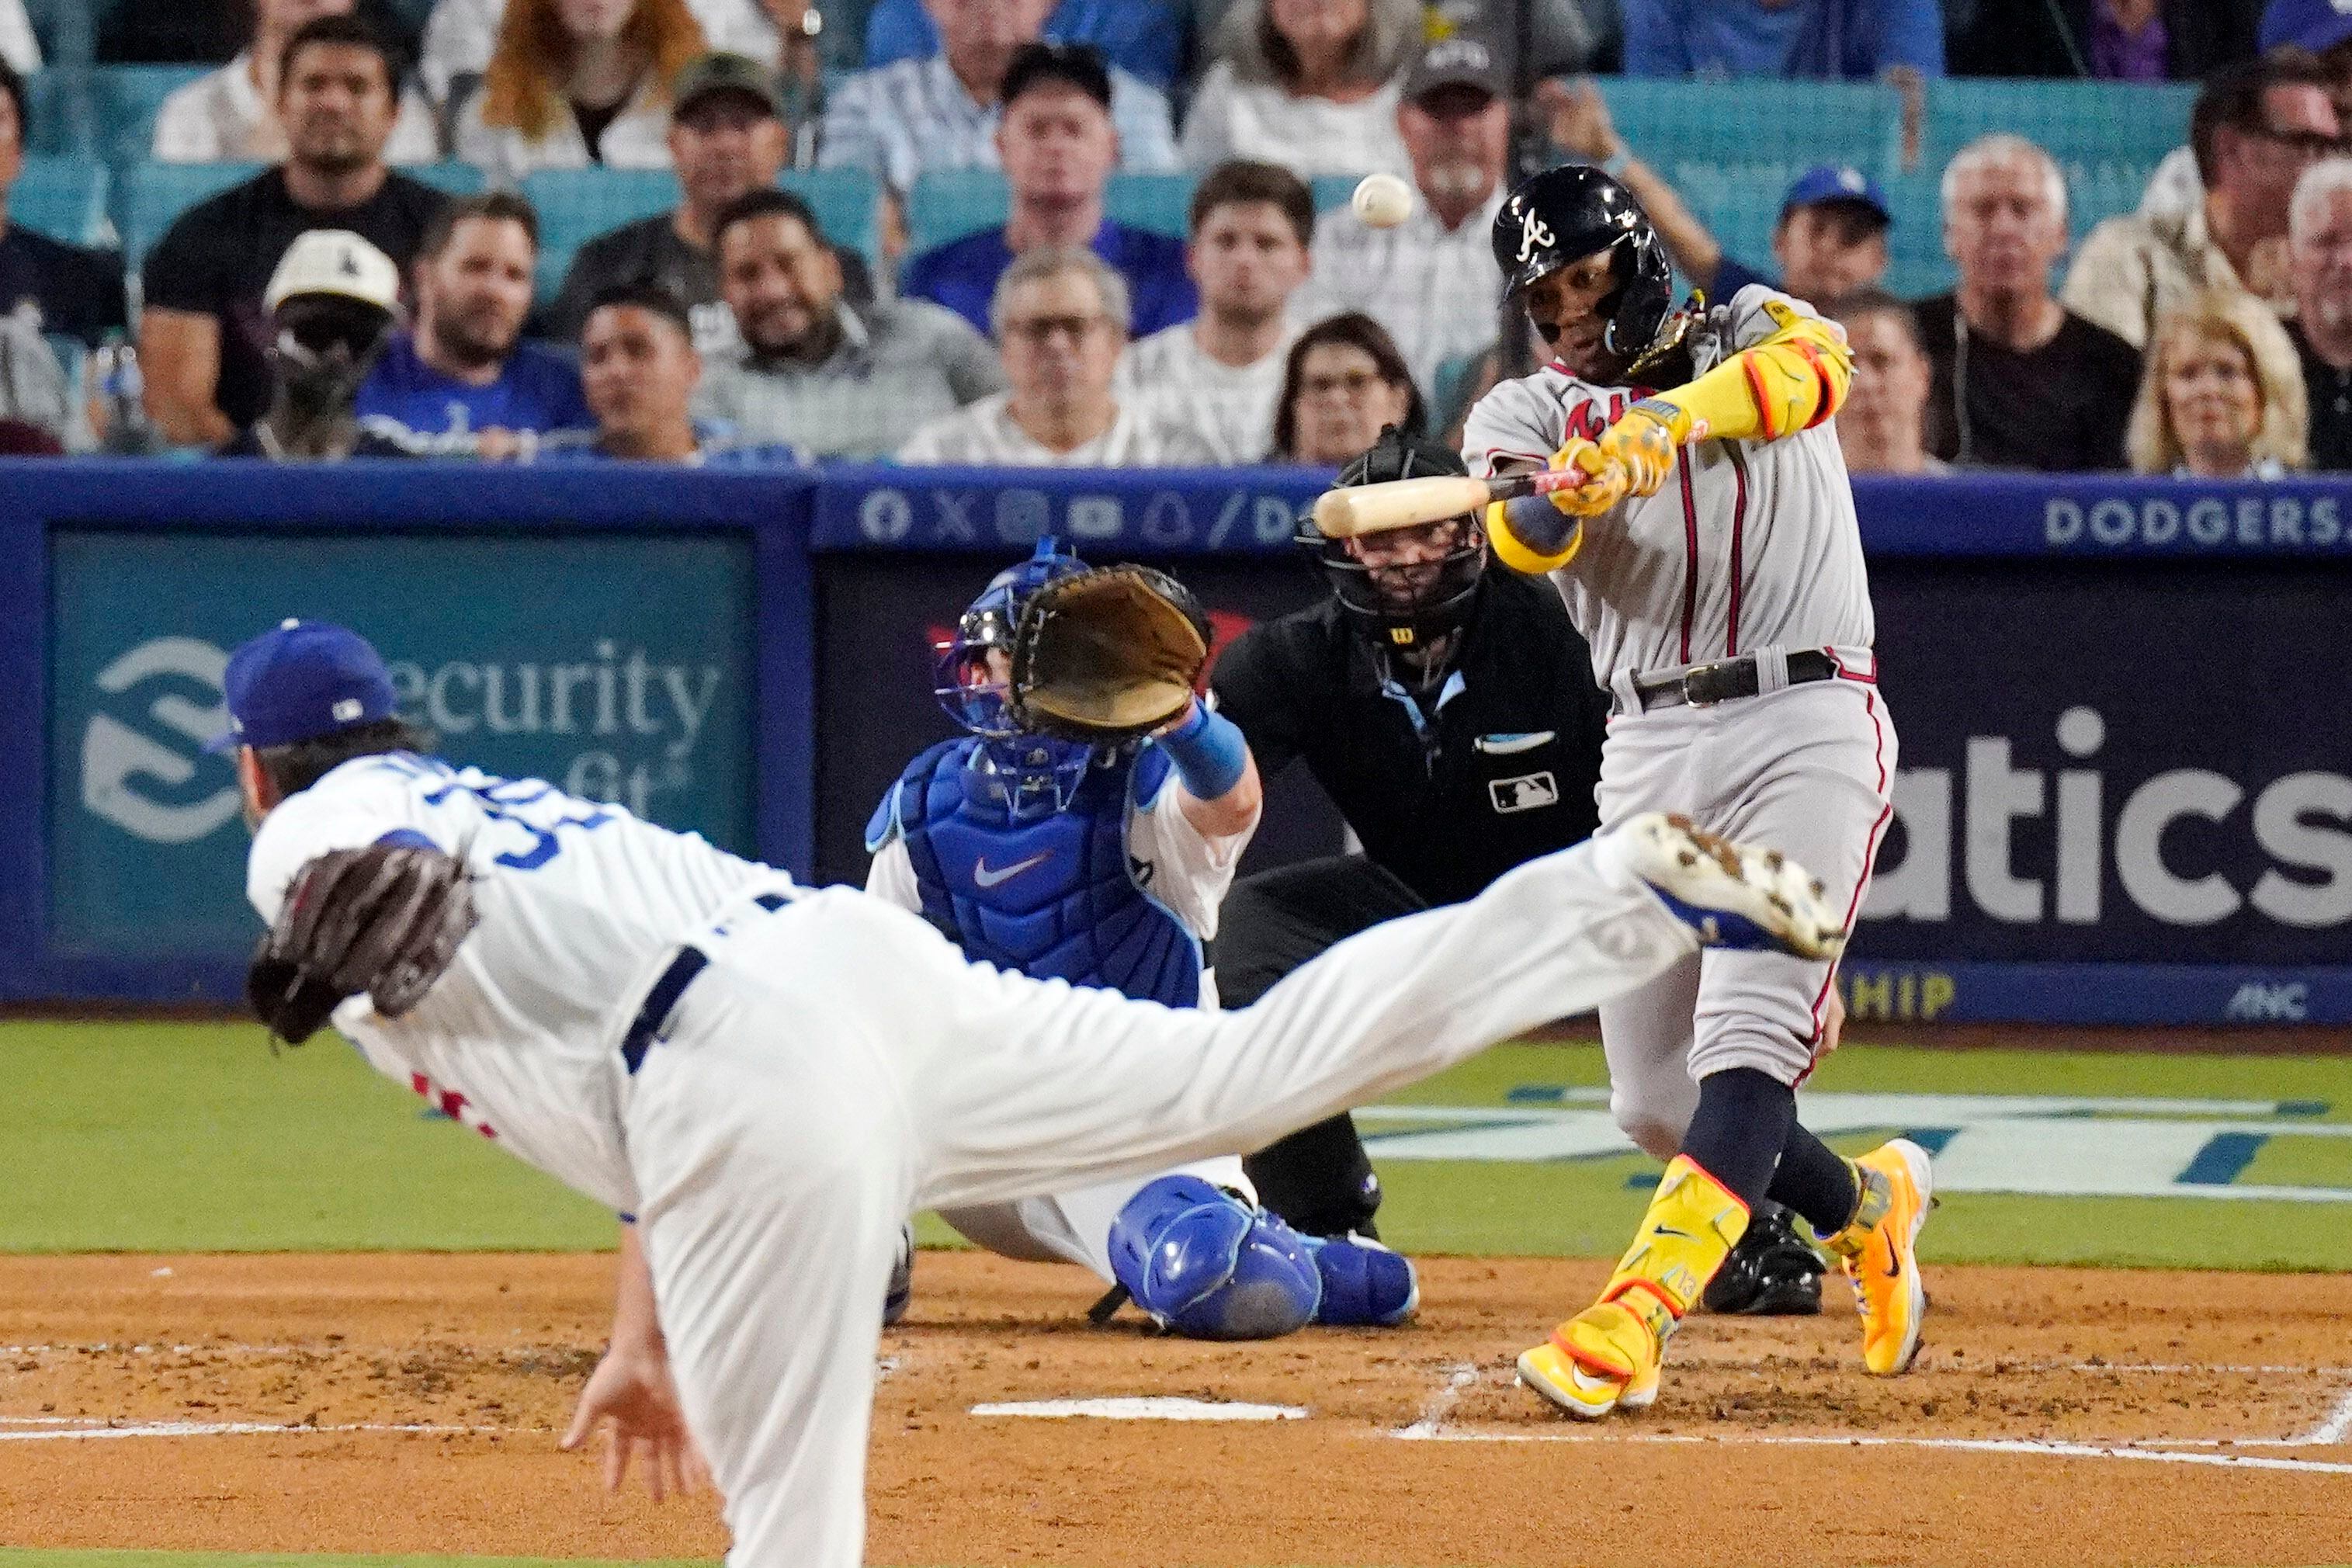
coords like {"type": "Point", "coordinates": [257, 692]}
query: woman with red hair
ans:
{"type": "Point", "coordinates": [576, 82]}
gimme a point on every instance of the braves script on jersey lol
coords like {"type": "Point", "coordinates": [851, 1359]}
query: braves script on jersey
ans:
{"type": "Point", "coordinates": [1696, 572]}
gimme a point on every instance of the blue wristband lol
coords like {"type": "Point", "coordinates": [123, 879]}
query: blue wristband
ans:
{"type": "Point", "coordinates": [1208, 750]}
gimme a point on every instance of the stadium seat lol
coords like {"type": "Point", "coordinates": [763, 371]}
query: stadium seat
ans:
{"type": "Point", "coordinates": [457, 179]}
{"type": "Point", "coordinates": [1721, 136]}
{"type": "Point", "coordinates": [846, 203]}
{"type": "Point", "coordinates": [948, 203]}
{"type": "Point", "coordinates": [2098, 131]}
{"type": "Point", "coordinates": [1160, 203]}
{"type": "Point", "coordinates": [63, 197]}
{"type": "Point", "coordinates": [56, 113]}
{"type": "Point", "coordinates": [151, 194]}
{"type": "Point", "coordinates": [576, 206]}
{"type": "Point", "coordinates": [124, 102]}
{"type": "Point", "coordinates": [1332, 191]}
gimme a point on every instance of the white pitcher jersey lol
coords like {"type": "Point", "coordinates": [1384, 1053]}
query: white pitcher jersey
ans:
{"type": "Point", "coordinates": [1748, 545]}
{"type": "Point", "coordinates": [580, 904]}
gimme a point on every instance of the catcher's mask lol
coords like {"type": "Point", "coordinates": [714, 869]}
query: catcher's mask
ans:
{"type": "Point", "coordinates": [1034, 776]}
{"type": "Point", "coordinates": [1399, 604]}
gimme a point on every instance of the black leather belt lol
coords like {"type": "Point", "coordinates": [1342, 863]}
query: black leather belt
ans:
{"type": "Point", "coordinates": [1702, 684]}
{"type": "Point", "coordinates": [661, 1000]}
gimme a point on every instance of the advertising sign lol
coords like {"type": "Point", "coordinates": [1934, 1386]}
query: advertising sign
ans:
{"type": "Point", "coordinates": [617, 666]}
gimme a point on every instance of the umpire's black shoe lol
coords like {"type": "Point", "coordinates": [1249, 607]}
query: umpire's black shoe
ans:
{"type": "Point", "coordinates": [1772, 1273]}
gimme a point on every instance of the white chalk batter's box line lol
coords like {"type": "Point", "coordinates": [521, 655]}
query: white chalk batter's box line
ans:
{"type": "Point", "coordinates": [2331, 1429]}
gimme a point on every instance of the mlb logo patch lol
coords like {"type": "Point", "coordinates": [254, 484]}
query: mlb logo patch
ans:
{"type": "Point", "coordinates": [1527, 793]}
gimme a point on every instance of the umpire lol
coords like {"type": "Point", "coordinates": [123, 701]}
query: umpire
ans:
{"type": "Point", "coordinates": [1451, 715]}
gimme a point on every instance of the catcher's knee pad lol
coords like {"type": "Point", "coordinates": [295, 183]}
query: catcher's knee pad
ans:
{"type": "Point", "coordinates": [1208, 1265]}
{"type": "Point", "coordinates": [1364, 1283]}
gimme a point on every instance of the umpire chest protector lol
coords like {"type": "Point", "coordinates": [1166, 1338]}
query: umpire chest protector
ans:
{"type": "Point", "coordinates": [1056, 897]}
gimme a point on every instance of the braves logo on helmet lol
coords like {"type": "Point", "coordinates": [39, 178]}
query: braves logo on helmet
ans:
{"type": "Point", "coordinates": [1533, 235]}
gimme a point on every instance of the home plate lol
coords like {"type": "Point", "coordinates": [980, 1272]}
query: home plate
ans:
{"type": "Point", "coordinates": [1156, 1407]}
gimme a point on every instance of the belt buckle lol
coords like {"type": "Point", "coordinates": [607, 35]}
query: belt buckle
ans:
{"type": "Point", "coordinates": [1699, 678]}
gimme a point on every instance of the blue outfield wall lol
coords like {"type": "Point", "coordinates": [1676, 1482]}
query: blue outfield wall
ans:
{"type": "Point", "coordinates": [2124, 793]}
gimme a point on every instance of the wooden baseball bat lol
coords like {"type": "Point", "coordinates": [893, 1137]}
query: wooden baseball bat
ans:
{"type": "Point", "coordinates": [1409, 503]}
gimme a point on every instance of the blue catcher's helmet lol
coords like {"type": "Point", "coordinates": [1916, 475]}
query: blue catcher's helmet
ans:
{"type": "Point", "coordinates": [1039, 774]}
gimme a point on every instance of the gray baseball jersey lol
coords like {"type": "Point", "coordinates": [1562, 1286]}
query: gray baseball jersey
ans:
{"type": "Point", "coordinates": [1748, 545]}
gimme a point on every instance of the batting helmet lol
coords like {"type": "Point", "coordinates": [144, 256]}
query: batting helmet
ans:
{"type": "Point", "coordinates": [1567, 214]}
{"type": "Point", "coordinates": [1396, 606]}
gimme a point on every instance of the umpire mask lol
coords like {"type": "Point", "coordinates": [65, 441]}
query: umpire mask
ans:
{"type": "Point", "coordinates": [1408, 586]}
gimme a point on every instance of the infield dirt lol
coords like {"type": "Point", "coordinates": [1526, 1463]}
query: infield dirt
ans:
{"type": "Point", "coordinates": [2175, 1415]}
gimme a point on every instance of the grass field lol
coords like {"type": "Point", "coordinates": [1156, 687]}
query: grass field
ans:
{"type": "Point", "coordinates": [194, 1138]}
{"type": "Point", "coordinates": [177, 1137]}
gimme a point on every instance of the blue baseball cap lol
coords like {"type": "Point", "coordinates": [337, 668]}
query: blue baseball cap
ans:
{"type": "Point", "coordinates": [2314, 25]}
{"type": "Point", "coordinates": [1836, 183]}
{"type": "Point", "coordinates": [300, 681]}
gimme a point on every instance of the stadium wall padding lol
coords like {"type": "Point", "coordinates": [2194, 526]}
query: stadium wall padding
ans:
{"type": "Point", "coordinates": [2124, 789]}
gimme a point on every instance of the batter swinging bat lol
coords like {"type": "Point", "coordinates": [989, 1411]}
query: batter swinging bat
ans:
{"type": "Point", "coordinates": [1409, 503]}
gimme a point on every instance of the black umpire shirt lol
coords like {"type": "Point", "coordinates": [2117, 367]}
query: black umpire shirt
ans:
{"type": "Point", "coordinates": [1503, 770]}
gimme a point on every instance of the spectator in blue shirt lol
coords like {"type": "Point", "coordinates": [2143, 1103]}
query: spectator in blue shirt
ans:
{"type": "Point", "coordinates": [1059, 148]}
{"type": "Point", "coordinates": [1853, 40]}
{"type": "Point", "coordinates": [639, 370]}
{"type": "Point", "coordinates": [1144, 38]}
{"type": "Point", "coordinates": [462, 382]}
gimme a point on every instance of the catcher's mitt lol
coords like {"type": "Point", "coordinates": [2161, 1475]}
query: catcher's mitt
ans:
{"type": "Point", "coordinates": [1105, 654]}
{"type": "Point", "coordinates": [385, 920]}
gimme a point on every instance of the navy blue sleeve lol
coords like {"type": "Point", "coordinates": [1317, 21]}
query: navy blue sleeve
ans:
{"type": "Point", "coordinates": [949, 276]}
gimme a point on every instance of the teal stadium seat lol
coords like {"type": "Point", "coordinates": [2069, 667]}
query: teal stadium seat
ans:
{"type": "Point", "coordinates": [1332, 191]}
{"type": "Point", "coordinates": [1715, 140]}
{"type": "Point", "coordinates": [1160, 203]}
{"type": "Point", "coordinates": [2100, 132]}
{"type": "Point", "coordinates": [56, 116]}
{"type": "Point", "coordinates": [576, 206]}
{"type": "Point", "coordinates": [64, 198]}
{"type": "Point", "coordinates": [151, 194]}
{"type": "Point", "coordinates": [124, 102]}
{"type": "Point", "coordinates": [948, 203]}
{"type": "Point", "coordinates": [450, 177]}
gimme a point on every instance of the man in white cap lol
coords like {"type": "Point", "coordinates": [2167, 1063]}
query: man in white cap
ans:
{"type": "Point", "coordinates": [332, 305]}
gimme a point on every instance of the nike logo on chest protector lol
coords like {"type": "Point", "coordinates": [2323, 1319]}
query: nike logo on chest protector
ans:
{"type": "Point", "coordinates": [989, 877]}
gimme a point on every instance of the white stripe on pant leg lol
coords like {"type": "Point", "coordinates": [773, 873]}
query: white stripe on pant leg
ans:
{"type": "Point", "coordinates": [1085, 1086]}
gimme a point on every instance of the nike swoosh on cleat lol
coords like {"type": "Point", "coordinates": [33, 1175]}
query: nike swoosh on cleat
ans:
{"type": "Point", "coordinates": [987, 878]}
{"type": "Point", "coordinates": [1894, 1268]}
{"type": "Point", "coordinates": [1588, 1382]}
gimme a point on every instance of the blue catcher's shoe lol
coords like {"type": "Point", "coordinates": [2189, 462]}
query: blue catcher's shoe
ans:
{"type": "Point", "coordinates": [1365, 1285]}
{"type": "Point", "coordinates": [1733, 895]}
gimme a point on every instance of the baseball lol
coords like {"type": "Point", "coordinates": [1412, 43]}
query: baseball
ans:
{"type": "Point", "coordinates": [1383, 201]}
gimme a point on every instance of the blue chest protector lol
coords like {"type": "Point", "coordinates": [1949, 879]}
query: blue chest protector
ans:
{"type": "Point", "coordinates": [1055, 897]}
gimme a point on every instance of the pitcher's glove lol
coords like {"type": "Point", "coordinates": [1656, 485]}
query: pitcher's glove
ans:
{"type": "Point", "coordinates": [385, 920]}
{"type": "Point", "coordinates": [1105, 654]}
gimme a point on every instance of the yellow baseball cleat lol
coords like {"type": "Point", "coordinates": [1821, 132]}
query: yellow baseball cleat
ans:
{"type": "Point", "coordinates": [1879, 1252]}
{"type": "Point", "coordinates": [1617, 1367]}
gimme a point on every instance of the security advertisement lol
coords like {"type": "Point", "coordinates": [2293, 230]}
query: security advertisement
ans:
{"type": "Point", "coordinates": [617, 666]}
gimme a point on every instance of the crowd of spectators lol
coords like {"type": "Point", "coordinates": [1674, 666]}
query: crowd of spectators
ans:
{"type": "Point", "coordinates": [2208, 332]}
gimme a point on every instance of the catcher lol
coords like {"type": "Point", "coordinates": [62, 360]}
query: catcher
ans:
{"type": "Point", "coordinates": [1085, 828]}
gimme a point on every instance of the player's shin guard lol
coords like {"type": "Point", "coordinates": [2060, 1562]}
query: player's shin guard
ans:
{"type": "Point", "coordinates": [1609, 1354]}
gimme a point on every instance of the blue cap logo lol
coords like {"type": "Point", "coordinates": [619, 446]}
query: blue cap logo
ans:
{"type": "Point", "coordinates": [299, 681]}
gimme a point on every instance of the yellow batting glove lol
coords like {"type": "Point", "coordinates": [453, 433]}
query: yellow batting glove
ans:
{"type": "Point", "coordinates": [1603, 487]}
{"type": "Point", "coordinates": [1644, 441]}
